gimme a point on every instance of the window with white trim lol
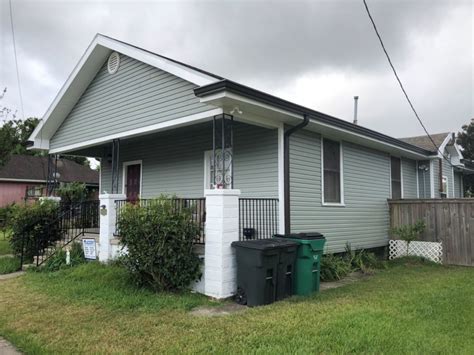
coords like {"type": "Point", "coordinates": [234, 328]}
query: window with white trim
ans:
{"type": "Point", "coordinates": [396, 177]}
{"type": "Point", "coordinates": [332, 172]}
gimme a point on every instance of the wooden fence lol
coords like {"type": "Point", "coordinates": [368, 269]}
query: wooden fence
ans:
{"type": "Point", "coordinates": [450, 221]}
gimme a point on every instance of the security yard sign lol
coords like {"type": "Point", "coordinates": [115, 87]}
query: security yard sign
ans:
{"type": "Point", "coordinates": [89, 247]}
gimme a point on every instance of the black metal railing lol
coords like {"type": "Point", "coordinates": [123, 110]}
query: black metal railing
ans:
{"type": "Point", "coordinates": [258, 218]}
{"type": "Point", "coordinates": [197, 206]}
{"type": "Point", "coordinates": [72, 221]}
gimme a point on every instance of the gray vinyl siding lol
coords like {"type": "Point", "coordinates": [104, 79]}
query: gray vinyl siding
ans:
{"type": "Point", "coordinates": [409, 178]}
{"type": "Point", "coordinates": [458, 190]}
{"type": "Point", "coordinates": [448, 172]}
{"type": "Point", "coordinates": [364, 221]}
{"type": "Point", "coordinates": [138, 95]}
{"type": "Point", "coordinates": [173, 161]}
{"type": "Point", "coordinates": [424, 179]}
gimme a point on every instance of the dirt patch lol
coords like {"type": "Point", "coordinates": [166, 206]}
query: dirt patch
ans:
{"type": "Point", "coordinates": [224, 310]}
{"type": "Point", "coordinates": [7, 349]}
{"type": "Point", "coordinates": [11, 276]}
{"type": "Point", "coordinates": [349, 279]}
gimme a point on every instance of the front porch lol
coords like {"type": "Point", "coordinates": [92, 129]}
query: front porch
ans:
{"type": "Point", "coordinates": [233, 200]}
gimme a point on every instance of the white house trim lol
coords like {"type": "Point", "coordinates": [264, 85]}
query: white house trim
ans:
{"type": "Point", "coordinates": [341, 178]}
{"type": "Point", "coordinates": [417, 180]}
{"type": "Point", "coordinates": [86, 69]}
{"type": "Point", "coordinates": [124, 175]}
{"type": "Point", "coordinates": [202, 116]}
{"type": "Point", "coordinates": [432, 189]}
{"type": "Point", "coordinates": [402, 194]}
{"type": "Point", "coordinates": [281, 179]}
{"type": "Point", "coordinates": [443, 145]}
{"type": "Point", "coordinates": [454, 187]}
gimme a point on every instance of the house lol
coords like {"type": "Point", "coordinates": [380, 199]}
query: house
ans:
{"type": "Point", "coordinates": [25, 177]}
{"type": "Point", "coordinates": [263, 164]}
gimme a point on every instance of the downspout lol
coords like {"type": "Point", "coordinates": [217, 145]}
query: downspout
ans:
{"type": "Point", "coordinates": [286, 168]}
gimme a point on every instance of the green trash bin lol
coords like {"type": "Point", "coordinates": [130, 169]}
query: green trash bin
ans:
{"type": "Point", "coordinates": [308, 261]}
{"type": "Point", "coordinates": [264, 270]}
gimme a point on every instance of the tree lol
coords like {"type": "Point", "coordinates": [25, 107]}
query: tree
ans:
{"type": "Point", "coordinates": [466, 141]}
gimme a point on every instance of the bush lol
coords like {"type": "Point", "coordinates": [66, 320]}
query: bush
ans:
{"type": "Point", "coordinates": [9, 264]}
{"type": "Point", "coordinates": [32, 228]}
{"type": "Point", "coordinates": [409, 232]}
{"type": "Point", "coordinates": [5, 216]}
{"type": "Point", "coordinates": [159, 239]}
{"type": "Point", "coordinates": [335, 267]}
{"type": "Point", "coordinates": [57, 260]}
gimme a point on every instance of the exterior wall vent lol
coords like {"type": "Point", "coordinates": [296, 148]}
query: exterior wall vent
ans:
{"type": "Point", "coordinates": [113, 63]}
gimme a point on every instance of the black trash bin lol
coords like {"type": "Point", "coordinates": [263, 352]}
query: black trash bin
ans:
{"type": "Point", "coordinates": [265, 270]}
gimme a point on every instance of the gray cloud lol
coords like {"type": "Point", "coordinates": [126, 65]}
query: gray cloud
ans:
{"type": "Point", "coordinates": [317, 53]}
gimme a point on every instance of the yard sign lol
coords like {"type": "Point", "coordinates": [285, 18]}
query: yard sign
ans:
{"type": "Point", "coordinates": [89, 249]}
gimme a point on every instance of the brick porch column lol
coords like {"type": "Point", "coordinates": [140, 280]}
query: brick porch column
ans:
{"type": "Point", "coordinates": [222, 228]}
{"type": "Point", "coordinates": [107, 223]}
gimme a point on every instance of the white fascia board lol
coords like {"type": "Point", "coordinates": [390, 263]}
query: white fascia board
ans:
{"type": "Point", "coordinates": [84, 72]}
{"type": "Point", "coordinates": [443, 145]}
{"type": "Point", "coordinates": [141, 131]}
{"type": "Point", "coordinates": [212, 99]}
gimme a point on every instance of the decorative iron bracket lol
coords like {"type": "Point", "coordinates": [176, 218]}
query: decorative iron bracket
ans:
{"type": "Point", "coordinates": [222, 151]}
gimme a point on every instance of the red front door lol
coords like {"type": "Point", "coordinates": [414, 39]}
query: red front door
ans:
{"type": "Point", "coordinates": [132, 183]}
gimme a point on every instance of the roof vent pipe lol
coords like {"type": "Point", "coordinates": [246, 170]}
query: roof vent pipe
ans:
{"type": "Point", "coordinates": [356, 99]}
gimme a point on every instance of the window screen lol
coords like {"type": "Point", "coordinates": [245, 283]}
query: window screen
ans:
{"type": "Point", "coordinates": [396, 178]}
{"type": "Point", "coordinates": [332, 171]}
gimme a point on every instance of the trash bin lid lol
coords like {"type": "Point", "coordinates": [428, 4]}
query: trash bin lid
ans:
{"type": "Point", "coordinates": [306, 235]}
{"type": "Point", "coordinates": [264, 244]}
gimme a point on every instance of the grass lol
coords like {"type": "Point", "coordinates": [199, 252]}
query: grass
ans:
{"type": "Point", "coordinates": [410, 307]}
{"type": "Point", "coordinates": [9, 264]}
{"type": "Point", "coordinates": [4, 243]}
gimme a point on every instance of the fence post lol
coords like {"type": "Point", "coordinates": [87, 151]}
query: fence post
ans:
{"type": "Point", "coordinates": [222, 228]}
{"type": "Point", "coordinates": [107, 223]}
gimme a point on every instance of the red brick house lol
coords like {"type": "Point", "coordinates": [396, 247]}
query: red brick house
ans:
{"type": "Point", "coordinates": [24, 177]}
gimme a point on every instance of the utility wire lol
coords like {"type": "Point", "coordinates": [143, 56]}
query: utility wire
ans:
{"type": "Point", "coordinates": [16, 62]}
{"type": "Point", "coordinates": [400, 83]}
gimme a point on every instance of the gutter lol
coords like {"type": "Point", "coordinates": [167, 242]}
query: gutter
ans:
{"type": "Point", "coordinates": [286, 169]}
{"type": "Point", "coordinates": [245, 91]}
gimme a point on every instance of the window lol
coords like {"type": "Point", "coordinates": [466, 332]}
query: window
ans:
{"type": "Point", "coordinates": [332, 173]}
{"type": "Point", "coordinates": [444, 186]}
{"type": "Point", "coordinates": [396, 178]}
{"type": "Point", "coordinates": [34, 191]}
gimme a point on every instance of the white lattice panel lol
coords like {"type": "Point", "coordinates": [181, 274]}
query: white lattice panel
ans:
{"type": "Point", "coordinates": [430, 250]}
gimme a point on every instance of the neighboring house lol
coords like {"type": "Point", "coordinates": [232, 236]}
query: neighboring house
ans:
{"type": "Point", "coordinates": [441, 176]}
{"type": "Point", "coordinates": [156, 125]}
{"type": "Point", "coordinates": [24, 177]}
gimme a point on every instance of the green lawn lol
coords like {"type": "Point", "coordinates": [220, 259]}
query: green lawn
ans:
{"type": "Point", "coordinates": [407, 308]}
{"type": "Point", "coordinates": [4, 243]}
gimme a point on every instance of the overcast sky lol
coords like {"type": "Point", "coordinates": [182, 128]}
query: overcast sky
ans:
{"type": "Point", "coordinates": [316, 53]}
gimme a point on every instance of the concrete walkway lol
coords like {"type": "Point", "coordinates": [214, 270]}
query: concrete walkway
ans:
{"type": "Point", "coordinates": [11, 276]}
{"type": "Point", "coordinates": [7, 349]}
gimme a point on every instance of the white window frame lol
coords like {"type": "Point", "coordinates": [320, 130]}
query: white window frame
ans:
{"type": "Point", "coordinates": [341, 172]}
{"type": "Point", "coordinates": [444, 177]}
{"type": "Point", "coordinates": [125, 164]}
{"type": "Point", "coordinates": [207, 168]}
{"type": "Point", "coordinates": [401, 175]}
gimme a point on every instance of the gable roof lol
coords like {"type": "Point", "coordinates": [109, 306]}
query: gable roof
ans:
{"type": "Point", "coordinates": [425, 142]}
{"type": "Point", "coordinates": [35, 168]}
{"type": "Point", "coordinates": [85, 71]}
{"type": "Point", "coordinates": [208, 84]}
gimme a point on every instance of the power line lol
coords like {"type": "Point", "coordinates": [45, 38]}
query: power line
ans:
{"type": "Point", "coordinates": [400, 83]}
{"type": "Point", "coordinates": [16, 61]}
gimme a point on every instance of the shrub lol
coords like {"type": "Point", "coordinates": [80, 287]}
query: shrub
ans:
{"type": "Point", "coordinates": [32, 228]}
{"type": "Point", "coordinates": [409, 232]}
{"type": "Point", "coordinates": [5, 216]}
{"type": "Point", "coordinates": [57, 260]}
{"type": "Point", "coordinates": [9, 264]}
{"type": "Point", "coordinates": [334, 267]}
{"type": "Point", "coordinates": [159, 239]}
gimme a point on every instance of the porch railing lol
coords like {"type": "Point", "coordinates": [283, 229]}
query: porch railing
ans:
{"type": "Point", "coordinates": [197, 206]}
{"type": "Point", "coordinates": [71, 222]}
{"type": "Point", "coordinates": [258, 218]}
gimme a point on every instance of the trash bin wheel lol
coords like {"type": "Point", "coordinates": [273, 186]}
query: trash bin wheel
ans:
{"type": "Point", "coordinates": [240, 296]}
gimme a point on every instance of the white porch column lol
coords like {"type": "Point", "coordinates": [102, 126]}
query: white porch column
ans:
{"type": "Point", "coordinates": [222, 228]}
{"type": "Point", "coordinates": [107, 223]}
